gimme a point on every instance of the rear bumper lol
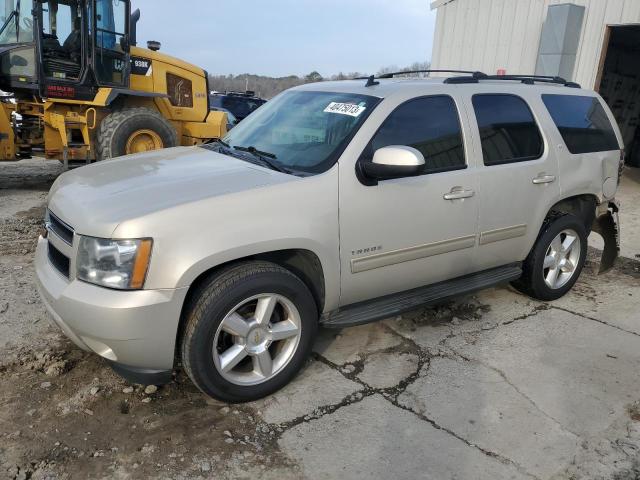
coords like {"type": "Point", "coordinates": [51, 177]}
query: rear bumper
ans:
{"type": "Point", "coordinates": [135, 330]}
{"type": "Point", "coordinates": [607, 224]}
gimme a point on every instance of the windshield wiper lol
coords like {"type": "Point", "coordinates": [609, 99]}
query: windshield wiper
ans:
{"type": "Point", "coordinates": [264, 158]}
{"type": "Point", "coordinates": [220, 141]}
{"type": "Point", "coordinates": [7, 21]}
{"type": "Point", "coordinates": [255, 151]}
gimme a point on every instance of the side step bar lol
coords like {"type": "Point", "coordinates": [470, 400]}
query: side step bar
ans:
{"type": "Point", "coordinates": [390, 305]}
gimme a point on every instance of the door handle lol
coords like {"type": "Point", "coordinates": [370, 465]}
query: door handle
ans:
{"type": "Point", "coordinates": [458, 193]}
{"type": "Point", "coordinates": [544, 179]}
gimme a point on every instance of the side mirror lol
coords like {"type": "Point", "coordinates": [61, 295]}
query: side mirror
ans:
{"type": "Point", "coordinates": [395, 161]}
{"type": "Point", "coordinates": [18, 61]}
{"type": "Point", "coordinates": [124, 43]}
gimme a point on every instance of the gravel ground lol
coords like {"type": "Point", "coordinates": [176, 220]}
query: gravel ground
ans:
{"type": "Point", "coordinates": [489, 386]}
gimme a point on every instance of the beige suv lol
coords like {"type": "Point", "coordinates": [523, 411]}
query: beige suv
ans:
{"type": "Point", "coordinates": [334, 204]}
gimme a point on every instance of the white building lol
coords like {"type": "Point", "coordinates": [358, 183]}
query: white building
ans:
{"type": "Point", "coordinates": [593, 42]}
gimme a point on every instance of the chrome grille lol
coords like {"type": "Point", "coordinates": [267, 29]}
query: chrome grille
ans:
{"type": "Point", "coordinates": [58, 259]}
{"type": "Point", "coordinates": [61, 229]}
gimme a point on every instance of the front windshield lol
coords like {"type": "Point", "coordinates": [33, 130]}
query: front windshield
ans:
{"type": "Point", "coordinates": [303, 131]}
{"type": "Point", "coordinates": [16, 23]}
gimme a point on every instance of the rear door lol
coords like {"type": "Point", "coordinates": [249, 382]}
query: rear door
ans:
{"type": "Point", "coordinates": [518, 173]}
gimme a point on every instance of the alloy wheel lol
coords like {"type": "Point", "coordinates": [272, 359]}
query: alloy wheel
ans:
{"type": "Point", "coordinates": [562, 258]}
{"type": "Point", "coordinates": [257, 339]}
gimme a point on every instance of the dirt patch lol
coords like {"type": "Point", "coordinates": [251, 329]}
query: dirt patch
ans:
{"type": "Point", "coordinates": [83, 421]}
{"type": "Point", "coordinates": [23, 318]}
{"type": "Point", "coordinates": [19, 233]}
{"type": "Point", "coordinates": [32, 174]}
{"type": "Point", "coordinates": [634, 412]}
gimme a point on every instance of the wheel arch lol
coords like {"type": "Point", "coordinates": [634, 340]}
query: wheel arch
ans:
{"type": "Point", "coordinates": [582, 206]}
{"type": "Point", "coordinates": [303, 263]}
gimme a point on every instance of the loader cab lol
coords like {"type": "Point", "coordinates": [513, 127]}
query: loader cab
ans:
{"type": "Point", "coordinates": [64, 48]}
{"type": "Point", "coordinates": [18, 65]}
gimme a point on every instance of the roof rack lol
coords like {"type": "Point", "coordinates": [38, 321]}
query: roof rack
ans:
{"type": "Point", "coordinates": [393, 74]}
{"type": "Point", "coordinates": [526, 79]}
{"type": "Point", "coordinates": [475, 77]}
{"type": "Point", "coordinates": [371, 79]}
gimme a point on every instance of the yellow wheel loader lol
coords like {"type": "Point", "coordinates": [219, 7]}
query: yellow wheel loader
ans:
{"type": "Point", "coordinates": [79, 89]}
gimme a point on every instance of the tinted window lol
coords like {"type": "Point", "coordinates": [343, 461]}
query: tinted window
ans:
{"type": "Point", "coordinates": [508, 130]}
{"type": "Point", "coordinates": [241, 106]}
{"type": "Point", "coordinates": [582, 122]}
{"type": "Point", "coordinates": [428, 124]}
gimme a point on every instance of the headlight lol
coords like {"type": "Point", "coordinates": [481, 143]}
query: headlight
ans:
{"type": "Point", "coordinates": [120, 264]}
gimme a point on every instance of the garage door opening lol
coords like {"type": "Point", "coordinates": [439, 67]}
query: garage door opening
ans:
{"type": "Point", "coordinates": [619, 84]}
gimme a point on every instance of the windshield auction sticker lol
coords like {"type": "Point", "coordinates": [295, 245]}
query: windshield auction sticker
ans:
{"type": "Point", "coordinates": [350, 109]}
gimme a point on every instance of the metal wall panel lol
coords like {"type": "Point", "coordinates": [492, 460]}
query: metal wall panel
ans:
{"type": "Point", "coordinates": [489, 35]}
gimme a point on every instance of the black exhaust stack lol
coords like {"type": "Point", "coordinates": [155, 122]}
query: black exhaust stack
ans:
{"type": "Point", "coordinates": [133, 27]}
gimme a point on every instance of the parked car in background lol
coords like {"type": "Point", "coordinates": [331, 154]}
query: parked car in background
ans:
{"type": "Point", "coordinates": [241, 104]}
{"type": "Point", "coordinates": [231, 118]}
{"type": "Point", "coordinates": [335, 204]}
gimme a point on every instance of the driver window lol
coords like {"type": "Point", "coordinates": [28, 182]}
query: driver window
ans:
{"type": "Point", "coordinates": [428, 124]}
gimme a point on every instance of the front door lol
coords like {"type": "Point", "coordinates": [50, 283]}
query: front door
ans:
{"type": "Point", "coordinates": [409, 232]}
{"type": "Point", "coordinates": [111, 42]}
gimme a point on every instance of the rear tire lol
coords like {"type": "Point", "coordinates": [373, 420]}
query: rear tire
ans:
{"type": "Point", "coordinates": [556, 259]}
{"type": "Point", "coordinates": [249, 329]}
{"type": "Point", "coordinates": [133, 130]}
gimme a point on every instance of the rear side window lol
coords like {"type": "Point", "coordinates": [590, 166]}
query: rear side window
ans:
{"type": "Point", "coordinates": [508, 131]}
{"type": "Point", "coordinates": [582, 122]}
{"type": "Point", "coordinates": [428, 124]}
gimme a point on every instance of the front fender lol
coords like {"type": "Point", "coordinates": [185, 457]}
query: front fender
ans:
{"type": "Point", "coordinates": [328, 260]}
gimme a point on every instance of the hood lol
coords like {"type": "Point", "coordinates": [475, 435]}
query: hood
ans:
{"type": "Point", "coordinates": [94, 199]}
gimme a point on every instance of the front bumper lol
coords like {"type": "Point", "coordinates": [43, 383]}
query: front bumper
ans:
{"type": "Point", "coordinates": [134, 330]}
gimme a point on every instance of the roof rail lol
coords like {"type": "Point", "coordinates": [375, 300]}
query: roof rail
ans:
{"type": "Point", "coordinates": [393, 74]}
{"type": "Point", "coordinates": [526, 79]}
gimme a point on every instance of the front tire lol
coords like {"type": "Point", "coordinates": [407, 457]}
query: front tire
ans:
{"type": "Point", "coordinates": [249, 330]}
{"type": "Point", "coordinates": [556, 259]}
{"type": "Point", "coordinates": [133, 130]}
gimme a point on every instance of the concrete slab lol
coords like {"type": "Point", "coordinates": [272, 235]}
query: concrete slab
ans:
{"type": "Point", "coordinates": [353, 344]}
{"type": "Point", "coordinates": [612, 298]}
{"type": "Point", "coordinates": [479, 405]}
{"type": "Point", "coordinates": [374, 439]}
{"type": "Point", "coordinates": [316, 386]}
{"type": "Point", "coordinates": [386, 370]}
{"type": "Point", "coordinates": [578, 371]}
{"type": "Point", "coordinates": [629, 197]}
{"type": "Point", "coordinates": [430, 327]}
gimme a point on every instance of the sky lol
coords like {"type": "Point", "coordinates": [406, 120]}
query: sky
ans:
{"type": "Point", "coordinates": [284, 37]}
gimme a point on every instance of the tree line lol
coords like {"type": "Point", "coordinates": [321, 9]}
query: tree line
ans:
{"type": "Point", "coordinates": [268, 87]}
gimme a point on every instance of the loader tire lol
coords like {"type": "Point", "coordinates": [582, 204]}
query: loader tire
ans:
{"type": "Point", "coordinates": [133, 130]}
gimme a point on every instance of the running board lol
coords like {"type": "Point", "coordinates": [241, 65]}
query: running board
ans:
{"type": "Point", "coordinates": [391, 305]}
